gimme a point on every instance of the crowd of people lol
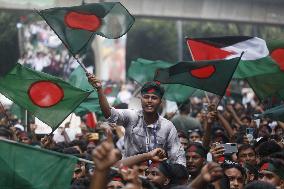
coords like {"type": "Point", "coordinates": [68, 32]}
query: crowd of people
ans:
{"type": "Point", "coordinates": [197, 146]}
{"type": "Point", "coordinates": [43, 51]}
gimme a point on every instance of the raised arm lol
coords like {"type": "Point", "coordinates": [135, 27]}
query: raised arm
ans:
{"type": "Point", "coordinates": [226, 125]}
{"type": "Point", "coordinates": [104, 156]}
{"type": "Point", "coordinates": [211, 116]}
{"type": "Point", "coordinates": [156, 155]}
{"type": "Point", "coordinates": [96, 83]}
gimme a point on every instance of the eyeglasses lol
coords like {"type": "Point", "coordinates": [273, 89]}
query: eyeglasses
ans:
{"type": "Point", "coordinates": [193, 130]}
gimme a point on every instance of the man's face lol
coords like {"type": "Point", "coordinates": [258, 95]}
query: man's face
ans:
{"type": "Point", "coordinates": [25, 140]}
{"type": "Point", "coordinates": [194, 137]}
{"type": "Point", "coordinates": [194, 163]}
{"type": "Point", "coordinates": [184, 142]}
{"type": "Point", "coordinates": [235, 177]}
{"type": "Point", "coordinates": [150, 103]}
{"type": "Point", "coordinates": [247, 156]}
{"type": "Point", "coordinates": [155, 176]}
{"type": "Point", "coordinates": [270, 177]}
{"type": "Point", "coordinates": [115, 185]}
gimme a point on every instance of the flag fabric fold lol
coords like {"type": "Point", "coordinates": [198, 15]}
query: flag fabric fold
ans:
{"type": "Point", "coordinates": [26, 167]}
{"type": "Point", "coordinates": [211, 76]}
{"type": "Point", "coordinates": [47, 97]}
{"type": "Point", "coordinates": [143, 70]}
{"type": "Point", "coordinates": [276, 50]}
{"type": "Point", "coordinates": [275, 113]}
{"type": "Point", "coordinates": [255, 61]}
{"type": "Point", "coordinates": [77, 25]}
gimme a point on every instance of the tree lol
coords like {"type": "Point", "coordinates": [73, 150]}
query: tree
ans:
{"type": "Point", "coordinates": [152, 39]}
{"type": "Point", "coordinates": [9, 48]}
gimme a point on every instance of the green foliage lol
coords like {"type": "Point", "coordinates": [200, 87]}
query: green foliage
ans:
{"type": "Point", "coordinates": [9, 51]}
{"type": "Point", "coordinates": [152, 39]}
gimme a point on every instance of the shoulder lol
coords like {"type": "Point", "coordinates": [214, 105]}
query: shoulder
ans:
{"type": "Point", "coordinates": [166, 123]}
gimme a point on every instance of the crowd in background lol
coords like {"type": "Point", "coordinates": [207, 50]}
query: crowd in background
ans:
{"type": "Point", "coordinates": [227, 150]}
{"type": "Point", "coordinates": [44, 52]}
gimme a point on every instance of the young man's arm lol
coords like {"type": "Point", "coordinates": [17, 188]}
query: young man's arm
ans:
{"type": "Point", "coordinates": [156, 155]}
{"type": "Point", "coordinates": [96, 83]}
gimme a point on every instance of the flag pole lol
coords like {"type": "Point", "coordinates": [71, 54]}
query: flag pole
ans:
{"type": "Point", "coordinates": [82, 65]}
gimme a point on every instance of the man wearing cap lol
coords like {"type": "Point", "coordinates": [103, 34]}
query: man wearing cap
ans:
{"type": "Point", "coordinates": [145, 130]}
{"type": "Point", "coordinates": [195, 159]}
{"type": "Point", "coordinates": [272, 171]}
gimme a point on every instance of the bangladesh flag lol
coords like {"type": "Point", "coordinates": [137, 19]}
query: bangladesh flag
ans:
{"type": "Point", "coordinates": [27, 167]}
{"type": "Point", "coordinates": [143, 70]}
{"type": "Point", "coordinates": [79, 79]}
{"type": "Point", "coordinates": [276, 49]}
{"type": "Point", "coordinates": [275, 114]}
{"type": "Point", "coordinates": [255, 61]}
{"type": "Point", "coordinates": [47, 97]}
{"type": "Point", "coordinates": [77, 25]}
{"type": "Point", "coordinates": [267, 85]}
{"type": "Point", "coordinates": [211, 76]}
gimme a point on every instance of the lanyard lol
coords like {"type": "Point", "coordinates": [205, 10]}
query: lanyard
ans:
{"type": "Point", "coordinates": [148, 138]}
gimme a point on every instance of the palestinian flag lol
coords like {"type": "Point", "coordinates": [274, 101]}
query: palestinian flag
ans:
{"type": "Point", "coordinates": [47, 97]}
{"type": "Point", "coordinates": [77, 25]}
{"type": "Point", "coordinates": [276, 50]}
{"type": "Point", "coordinates": [143, 70]}
{"type": "Point", "coordinates": [211, 76]}
{"type": "Point", "coordinates": [255, 61]}
{"type": "Point", "coordinates": [27, 167]}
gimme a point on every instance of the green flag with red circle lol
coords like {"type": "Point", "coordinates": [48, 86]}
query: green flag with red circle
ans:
{"type": "Point", "coordinates": [77, 25]}
{"type": "Point", "coordinates": [276, 51]}
{"type": "Point", "coordinates": [47, 97]}
{"type": "Point", "coordinates": [212, 76]}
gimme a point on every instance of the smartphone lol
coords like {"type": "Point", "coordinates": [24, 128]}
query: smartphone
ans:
{"type": "Point", "coordinates": [250, 131]}
{"type": "Point", "coordinates": [94, 136]}
{"type": "Point", "coordinates": [205, 107]}
{"type": "Point", "coordinates": [230, 148]}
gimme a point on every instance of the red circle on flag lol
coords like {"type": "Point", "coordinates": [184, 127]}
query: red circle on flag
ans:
{"type": "Point", "coordinates": [45, 93]}
{"type": "Point", "coordinates": [83, 21]}
{"type": "Point", "coordinates": [203, 72]}
{"type": "Point", "coordinates": [278, 56]}
{"type": "Point", "coordinates": [108, 90]}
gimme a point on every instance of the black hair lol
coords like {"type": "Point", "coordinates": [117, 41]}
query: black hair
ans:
{"type": "Point", "coordinates": [184, 106]}
{"type": "Point", "coordinates": [180, 173]}
{"type": "Point", "coordinates": [199, 146]}
{"type": "Point", "coordinates": [230, 165]}
{"type": "Point", "coordinates": [259, 185]}
{"type": "Point", "coordinates": [245, 147]}
{"type": "Point", "coordinates": [114, 174]}
{"type": "Point", "coordinates": [71, 150]}
{"type": "Point", "coordinates": [4, 132]}
{"type": "Point", "coordinates": [267, 148]}
{"type": "Point", "coordinates": [153, 85]}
